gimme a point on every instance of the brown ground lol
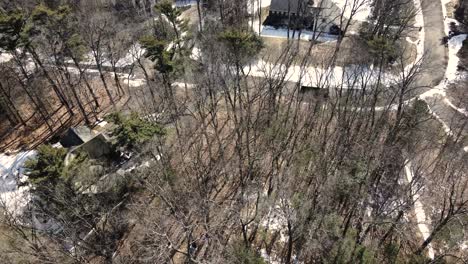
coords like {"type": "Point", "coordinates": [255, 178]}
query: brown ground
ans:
{"type": "Point", "coordinates": [36, 131]}
{"type": "Point", "coordinates": [320, 53]}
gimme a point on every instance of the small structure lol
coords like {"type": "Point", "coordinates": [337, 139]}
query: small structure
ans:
{"type": "Point", "coordinates": [76, 136]}
{"type": "Point", "coordinates": [310, 15]}
{"type": "Point", "coordinates": [96, 147]}
{"type": "Point", "coordinates": [85, 140]}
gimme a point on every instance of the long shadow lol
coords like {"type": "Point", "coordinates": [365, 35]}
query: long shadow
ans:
{"type": "Point", "coordinates": [26, 129]}
{"type": "Point", "coordinates": [65, 121]}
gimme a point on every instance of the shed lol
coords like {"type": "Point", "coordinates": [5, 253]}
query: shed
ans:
{"type": "Point", "coordinates": [96, 147]}
{"type": "Point", "coordinates": [76, 136]}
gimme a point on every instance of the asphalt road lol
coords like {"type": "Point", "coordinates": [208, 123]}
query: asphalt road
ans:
{"type": "Point", "coordinates": [435, 53]}
{"type": "Point", "coordinates": [435, 65]}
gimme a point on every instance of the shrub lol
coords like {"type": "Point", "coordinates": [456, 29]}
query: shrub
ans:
{"type": "Point", "coordinates": [47, 168]}
{"type": "Point", "coordinates": [243, 255]}
{"type": "Point", "coordinates": [133, 130]}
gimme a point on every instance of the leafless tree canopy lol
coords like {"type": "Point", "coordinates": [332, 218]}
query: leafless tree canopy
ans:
{"type": "Point", "coordinates": [288, 154]}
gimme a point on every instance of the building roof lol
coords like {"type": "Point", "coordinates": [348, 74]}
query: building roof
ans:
{"type": "Point", "coordinates": [76, 136]}
{"type": "Point", "coordinates": [282, 5]}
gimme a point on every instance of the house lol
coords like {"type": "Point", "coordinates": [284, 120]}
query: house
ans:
{"type": "Point", "coordinates": [311, 15]}
{"type": "Point", "coordinates": [293, 7]}
{"type": "Point", "coordinates": [83, 139]}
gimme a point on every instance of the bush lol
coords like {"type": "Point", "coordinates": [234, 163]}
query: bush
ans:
{"type": "Point", "coordinates": [335, 30]}
{"type": "Point", "coordinates": [382, 47]}
{"type": "Point", "coordinates": [133, 130]}
{"type": "Point", "coordinates": [243, 255]}
{"type": "Point", "coordinates": [241, 44]}
{"type": "Point", "coordinates": [47, 168]}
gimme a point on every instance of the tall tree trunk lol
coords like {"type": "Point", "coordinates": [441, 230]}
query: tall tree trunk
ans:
{"type": "Point", "coordinates": [76, 97]}
{"type": "Point", "coordinates": [97, 57]}
{"type": "Point", "coordinates": [56, 89]}
{"type": "Point", "coordinates": [9, 106]}
{"type": "Point", "coordinates": [37, 101]}
{"type": "Point", "coordinates": [200, 19]}
{"type": "Point", "coordinates": [88, 86]}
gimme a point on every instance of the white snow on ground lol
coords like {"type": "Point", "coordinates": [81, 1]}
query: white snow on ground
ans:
{"type": "Point", "coordinates": [446, 127]}
{"type": "Point", "coordinates": [419, 23]}
{"type": "Point", "coordinates": [276, 221]}
{"type": "Point", "coordinates": [447, 20]}
{"type": "Point", "coordinates": [182, 3]}
{"type": "Point", "coordinates": [254, 10]}
{"type": "Point", "coordinates": [13, 198]}
{"type": "Point", "coordinates": [337, 77]}
{"type": "Point", "coordinates": [455, 44]}
{"type": "Point", "coordinates": [419, 212]}
{"type": "Point", "coordinates": [134, 82]}
{"type": "Point", "coordinates": [196, 54]}
{"type": "Point", "coordinates": [269, 31]}
{"type": "Point", "coordinates": [134, 53]}
{"type": "Point", "coordinates": [464, 246]}
{"type": "Point", "coordinates": [451, 74]}
{"type": "Point", "coordinates": [363, 11]}
{"type": "Point", "coordinates": [5, 57]}
{"type": "Point", "coordinates": [269, 259]}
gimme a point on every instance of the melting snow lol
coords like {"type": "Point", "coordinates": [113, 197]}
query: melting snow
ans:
{"type": "Point", "coordinates": [269, 31]}
{"type": "Point", "coordinates": [419, 211]}
{"type": "Point", "coordinates": [455, 44]}
{"type": "Point", "coordinates": [5, 57]}
{"type": "Point", "coordinates": [419, 23]}
{"type": "Point", "coordinates": [354, 76]}
{"type": "Point", "coordinates": [451, 74]}
{"type": "Point", "coordinates": [12, 197]}
{"type": "Point", "coordinates": [363, 10]}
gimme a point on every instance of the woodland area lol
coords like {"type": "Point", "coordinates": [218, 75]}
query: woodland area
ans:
{"type": "Point", "coordinates": [218, 148]}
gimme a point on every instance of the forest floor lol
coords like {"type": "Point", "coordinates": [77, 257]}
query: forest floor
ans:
{"type": "Point", "coordinates": [37, 132]}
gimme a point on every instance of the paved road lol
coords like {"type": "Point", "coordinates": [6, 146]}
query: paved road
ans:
{"type": "Point", "coordinates": [435, 65]}
{"type": "Point", "coordinates": [435, 60]}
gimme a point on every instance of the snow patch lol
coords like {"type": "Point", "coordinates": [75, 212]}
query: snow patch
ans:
{"type": "Point", "coordinates": [5, 57]}
{"type": "Point", "coordinates": [363, 8]}
{"type": "Point", "coordinates": [269, 31]}
{"type": "Point", "coordinates": [455, 44]}
{"type": "Point", "coordinates": [269, 259]}
{"type": "Point", "coordinates": [451, 75]}
{"type": "Point", "coordinates": [276, 221]}
{"type": "Point", "coordinates": [419, 23]}
{"type": "Point", "coordinates": [352, 76]}
{"type": "Point", "coordinates": [254, 10]}
{"type": "Point", "coordinates": [447, 20]}
{"type": "Point", "coordinates": [183, 3]}
{"type": "Point", "coordinates": [423, 222]}
{"type": "Point", "coordinates": [196, 54]}
{"type": "Point", "coordinates": [14, 198]}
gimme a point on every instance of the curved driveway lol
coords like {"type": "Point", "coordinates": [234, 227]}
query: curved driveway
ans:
{"type": "Point", "coordinates": [434, 68]}
{"type": "Point", "coordinates": [435, 61]}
